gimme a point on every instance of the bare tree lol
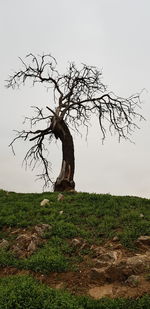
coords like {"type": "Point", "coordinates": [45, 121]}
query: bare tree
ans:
{"type": "Point", "coordinates": [77, 94]}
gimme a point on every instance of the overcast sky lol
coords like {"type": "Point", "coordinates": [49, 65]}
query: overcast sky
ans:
{"type": "Point", "coordinates": [110, 34]}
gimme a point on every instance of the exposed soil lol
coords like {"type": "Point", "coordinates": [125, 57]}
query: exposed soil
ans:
{"type": "Point", "coordinates": [107, 270]}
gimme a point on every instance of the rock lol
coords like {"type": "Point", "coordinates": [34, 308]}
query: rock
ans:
{"type": "Point", "coordinates": [120, 271]}
{"type": "Point", "coordinates": [101, 291]}
{"type": "Point", "coordinates": [4, 244]}
{"type": "Point", "coordinates": [40, 229]}
{"type": "Point", "coordinates": [44, 202]}
{"type": "Point", "coordinates": [145, 240]}
{"type": "Point", "coordinates": [60, 197]}
{"type": "Point", "coordinates": [28, 242]}
{"type": "Point", "coordinates": [115, 238]}
{"type": "Point", "coordinates": [32, 246]}
{"type": "Point", "coordinates": [132, 280]}
{"type": "Point", "coordinates": [141, 216]}
{"type": "Point", "coordinates": [99, 264]}
{"type": "Point", "coordinates": [108, 257]}
{"type": "Point", "coordinates": [25, 245]}
{"type": "Point", "coordinates": [138, 263]}
{"type": "Point", "coordinates": [76, 242]}
{"type": "Point", "coordinates": [126, 267]}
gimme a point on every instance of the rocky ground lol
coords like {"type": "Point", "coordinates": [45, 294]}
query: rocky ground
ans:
{"type": "Point", "coordinates": [106, 270]}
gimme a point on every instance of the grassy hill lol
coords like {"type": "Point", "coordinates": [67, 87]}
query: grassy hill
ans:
{"type": "Point", "coordinates": [53, 256]}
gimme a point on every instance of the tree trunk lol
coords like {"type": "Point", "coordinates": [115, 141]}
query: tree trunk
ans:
{"type": "Point", "coordinates": [64, 181]}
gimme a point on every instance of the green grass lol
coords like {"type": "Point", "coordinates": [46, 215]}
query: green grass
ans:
{"type": "Point", "coordinates": [51, 257]}
{"type": "Point", "coordinates": [24, 292]}
{"type": "Point", "coordinates": [47, 259]}
{"type": "Point", "coordinates": [93, 218]}
{"type": "Point", "coordinates": [90, 216]}
{"type": "Point", "coordinates": [7, 259]}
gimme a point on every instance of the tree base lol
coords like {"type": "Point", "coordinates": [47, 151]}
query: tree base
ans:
{"type": "Point", "coordinates": [64, 185]}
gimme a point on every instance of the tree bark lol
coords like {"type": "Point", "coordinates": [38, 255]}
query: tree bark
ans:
{"type": "Point", "coordinates": [64, 181]}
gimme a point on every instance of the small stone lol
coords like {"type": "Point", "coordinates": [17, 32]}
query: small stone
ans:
{"type": "Point", "coordinates": [32, 246]}
{"type": "Point", "coordinates": [44, 202]}
{"type": "Point", "coordinates": [76, 242]}
{"type": "Point", "coordinates": [133, 281]}
{"type": "Point", "coordinates": [141, 216]}
{"type": "Point", "coordinates": [4, 244]}
{"type": "Point", "coordinates": [60, 197]}
{"type": "Point", "coordinates": [116, 238]}
{"type": "Point", "coordinates": [145, 240]}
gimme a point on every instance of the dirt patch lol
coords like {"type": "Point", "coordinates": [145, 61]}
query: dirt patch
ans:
{"type": "Point", "coordinates": [105, 271]}
{"type": "Point", "coordinates": [79, 283]}
{"type": "Point", "coordinates": [101, 291]}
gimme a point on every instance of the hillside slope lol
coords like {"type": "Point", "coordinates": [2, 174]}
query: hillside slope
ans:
{"type": "Point", "coordinates": [85, 244]}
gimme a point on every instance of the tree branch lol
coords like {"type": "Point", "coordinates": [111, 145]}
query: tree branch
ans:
{"type": "Point", "coordinates": [77, 95]}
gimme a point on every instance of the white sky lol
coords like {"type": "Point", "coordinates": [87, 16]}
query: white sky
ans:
{"type": "Point", "coordinates": [110, 34]}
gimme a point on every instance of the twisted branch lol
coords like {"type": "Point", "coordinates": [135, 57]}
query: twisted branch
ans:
{"type": "Point", "coordinates": [77, 94]}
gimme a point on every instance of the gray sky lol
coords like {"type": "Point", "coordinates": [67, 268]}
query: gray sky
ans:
{"type": "Point", "coordinates": [110, 34]}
